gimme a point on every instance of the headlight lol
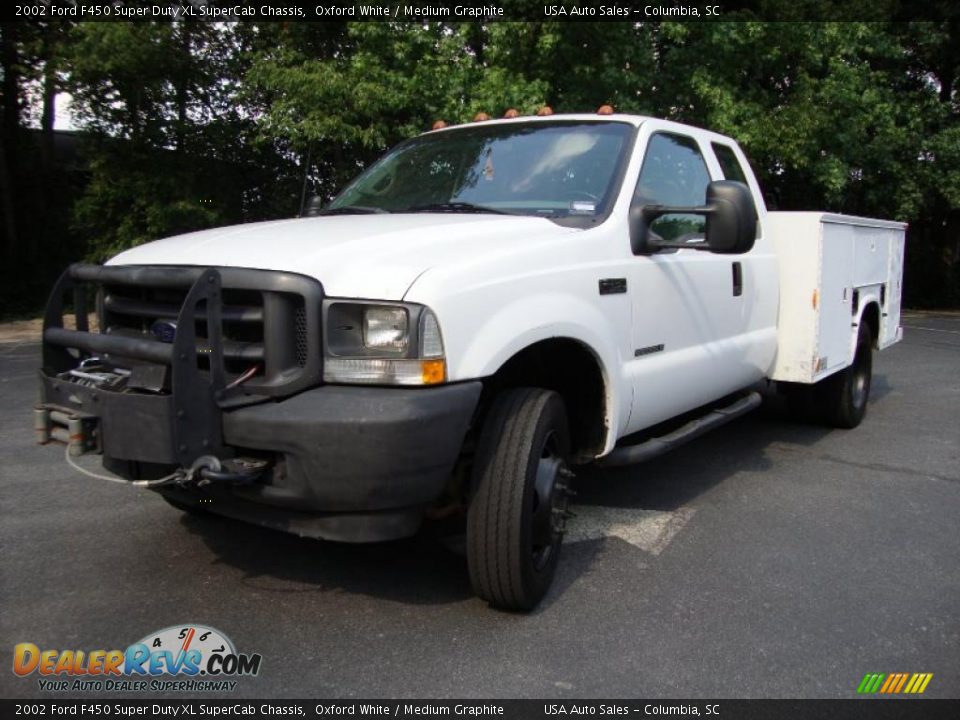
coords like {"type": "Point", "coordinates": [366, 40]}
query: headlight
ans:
{"type": "Point", "coordinates": [385, 328]}
{"type": "Point", "coordinates": [381, 344]}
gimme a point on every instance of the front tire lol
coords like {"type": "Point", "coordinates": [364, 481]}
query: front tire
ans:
{"type": "Point", "coordinates": [515, 520]}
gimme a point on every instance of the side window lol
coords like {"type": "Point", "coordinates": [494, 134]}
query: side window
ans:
{"type": "Point", "coordinates": [674, 173]}
{"type": "Point", "coordinates": [731, 167]}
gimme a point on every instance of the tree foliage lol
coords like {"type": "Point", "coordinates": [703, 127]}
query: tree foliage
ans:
{"type": "Point", "coordinates": [193, 125]}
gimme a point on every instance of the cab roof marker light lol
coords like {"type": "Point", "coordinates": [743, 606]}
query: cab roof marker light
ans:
{"type": "Point", "coordinates": [545, 110]}
{"type": "Point", "coordinates": [605, 110]}
{"type": "Point", "coordinates": [511, 113]}
{"type": "Point", "coordinates": [480, 117]}
{"type": "Point", "coordinates": [439, 125]}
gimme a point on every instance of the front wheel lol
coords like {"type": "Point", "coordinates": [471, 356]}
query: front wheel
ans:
{"type": "Point", "coordinates": [518, 507]}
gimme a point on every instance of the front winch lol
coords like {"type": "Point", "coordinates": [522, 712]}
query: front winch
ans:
{"type": "Point", "coordinates": [79, 431]}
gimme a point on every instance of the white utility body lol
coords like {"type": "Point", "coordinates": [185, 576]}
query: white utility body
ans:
{"type": "Point", "coordinates": [830, 265]}
{"type": "Point", "coordinates": [484, 308]}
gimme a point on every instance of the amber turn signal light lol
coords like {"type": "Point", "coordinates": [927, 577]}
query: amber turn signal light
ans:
{"type": "Point", "coordinates": [433, 372]}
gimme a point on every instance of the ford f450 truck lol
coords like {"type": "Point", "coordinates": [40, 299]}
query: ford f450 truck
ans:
{"type": "Point", "coordinates": [482, 310]}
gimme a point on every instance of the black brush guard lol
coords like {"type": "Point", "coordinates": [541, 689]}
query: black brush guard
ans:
{"type": "Point", "coordinates": [179, 427]}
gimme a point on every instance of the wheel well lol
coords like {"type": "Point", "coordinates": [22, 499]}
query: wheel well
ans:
{"type": "Point", "coordinates": [569, 368]}
{"type": "Point", "coordinates": [871, 316]}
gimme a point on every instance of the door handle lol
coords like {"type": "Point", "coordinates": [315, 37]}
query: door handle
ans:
{"type": "Point", "coordinates": [737, 279]}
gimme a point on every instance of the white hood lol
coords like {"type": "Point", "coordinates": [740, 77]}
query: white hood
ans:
{"type": "Point", "coordinates": [362, 256]}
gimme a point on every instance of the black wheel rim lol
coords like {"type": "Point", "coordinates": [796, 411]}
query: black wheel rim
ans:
{"type": "Point", "coordinates": [860, 382]}
{"type": "Point", "coordinates": [550, 500]}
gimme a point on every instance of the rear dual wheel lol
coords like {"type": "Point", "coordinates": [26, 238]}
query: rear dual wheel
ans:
{"type": "Point", "coordinates": [841, 399]}
{"type": "Point", "coordinates": [518, 507]}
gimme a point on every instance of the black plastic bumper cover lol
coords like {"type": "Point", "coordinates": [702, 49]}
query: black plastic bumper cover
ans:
{"type": "Point", "coordinates": [358, 448]}
{"type": "Point", "coordinates": [361, 464]}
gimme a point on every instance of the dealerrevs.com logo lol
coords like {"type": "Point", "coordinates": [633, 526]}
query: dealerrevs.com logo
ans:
{"type": "Point", "coordinates": [200, 657]}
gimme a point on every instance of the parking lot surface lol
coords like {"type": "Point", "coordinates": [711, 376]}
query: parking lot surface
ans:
{"type": "Point", "coordinates": [766, 559]}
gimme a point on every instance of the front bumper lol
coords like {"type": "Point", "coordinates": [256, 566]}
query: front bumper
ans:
{"type": "Point", "coordinates": [358, 448]}
{"type": "Point", "coordinates": [360, 464]}
{"type": "Point", "coordinates": [355, 464]}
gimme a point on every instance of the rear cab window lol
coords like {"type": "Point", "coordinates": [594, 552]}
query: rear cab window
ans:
{"type": "Point", "coordinates": [732, 169]}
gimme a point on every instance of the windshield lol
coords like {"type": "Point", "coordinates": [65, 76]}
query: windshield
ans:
{"type": "Point", "coordinates": [557, 170]}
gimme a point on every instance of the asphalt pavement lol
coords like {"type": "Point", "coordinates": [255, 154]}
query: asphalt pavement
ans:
{"type": "Point", "coordinates": [766, 559]}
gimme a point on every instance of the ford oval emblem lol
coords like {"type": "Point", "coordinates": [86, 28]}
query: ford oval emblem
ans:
{"type": "Point", "coordinates": [164, 330]}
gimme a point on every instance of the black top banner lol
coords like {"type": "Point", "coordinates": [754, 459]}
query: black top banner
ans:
{"type": "Point", "coordinates": [892, 709]}
{"type": "Point", "coordinates": [418, 11]}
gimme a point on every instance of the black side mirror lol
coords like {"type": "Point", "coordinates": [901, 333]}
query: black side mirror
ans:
{"type": "Point", "coordinates": [732, 226]}
{"type": "Point", "coordinates": [731, 221]}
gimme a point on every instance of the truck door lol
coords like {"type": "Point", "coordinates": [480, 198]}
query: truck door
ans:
{"type": "Point", "coordinates": [692, 310]}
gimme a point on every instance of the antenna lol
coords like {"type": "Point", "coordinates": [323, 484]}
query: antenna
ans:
{"type": "Point", "coordinates": [306, 173]}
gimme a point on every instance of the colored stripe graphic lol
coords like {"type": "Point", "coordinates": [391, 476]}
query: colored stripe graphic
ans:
{"type": "Point", "coordinates": [903, 679]}
{"type": "Point", "coordinates": [894, 683]}
{"type": "Point", "coordinates": [870, 683]}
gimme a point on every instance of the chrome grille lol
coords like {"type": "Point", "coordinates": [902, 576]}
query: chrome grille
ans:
{"type": "Point", "coordinates": [265, 327]}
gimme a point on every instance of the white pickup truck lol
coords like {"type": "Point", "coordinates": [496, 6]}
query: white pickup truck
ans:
{"type": "Point", "coordinates": [485, 308]}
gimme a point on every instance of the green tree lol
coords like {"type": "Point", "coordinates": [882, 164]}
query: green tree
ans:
{"type": "Point", "coordinates": [193, 125]}
{"type": "Point", "coordinates": [378, 83]}
{"type": "Point", "coordinates": [33, 219]}
{"type": "Point", "coordinates": [170, 145]}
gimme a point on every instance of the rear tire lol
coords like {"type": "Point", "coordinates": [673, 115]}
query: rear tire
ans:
{"type": "Point", "coordinates": [518, 508]}
{"type": "Point", "coordinates": [843, 397]}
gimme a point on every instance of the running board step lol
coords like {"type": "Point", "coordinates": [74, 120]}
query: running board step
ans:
{"type": "Point", "coordinates": [631, 454]}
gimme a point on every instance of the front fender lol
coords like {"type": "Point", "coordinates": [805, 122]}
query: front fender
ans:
{"type": "Point", "coordinates": [488, 345]}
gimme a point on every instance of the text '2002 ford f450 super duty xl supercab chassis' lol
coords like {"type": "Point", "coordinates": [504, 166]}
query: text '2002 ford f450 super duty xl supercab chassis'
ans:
{"type": "Point", "coordinates": [481, 310]}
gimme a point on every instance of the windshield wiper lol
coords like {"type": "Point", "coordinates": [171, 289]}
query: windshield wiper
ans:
{"type": "Point", "coordinates": [354, 210]}
{"type": "Point", "coordinates": [454, 207]}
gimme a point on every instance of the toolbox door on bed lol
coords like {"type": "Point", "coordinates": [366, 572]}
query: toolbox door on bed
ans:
{"type": "Point", "coordinates": [890, 330]}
